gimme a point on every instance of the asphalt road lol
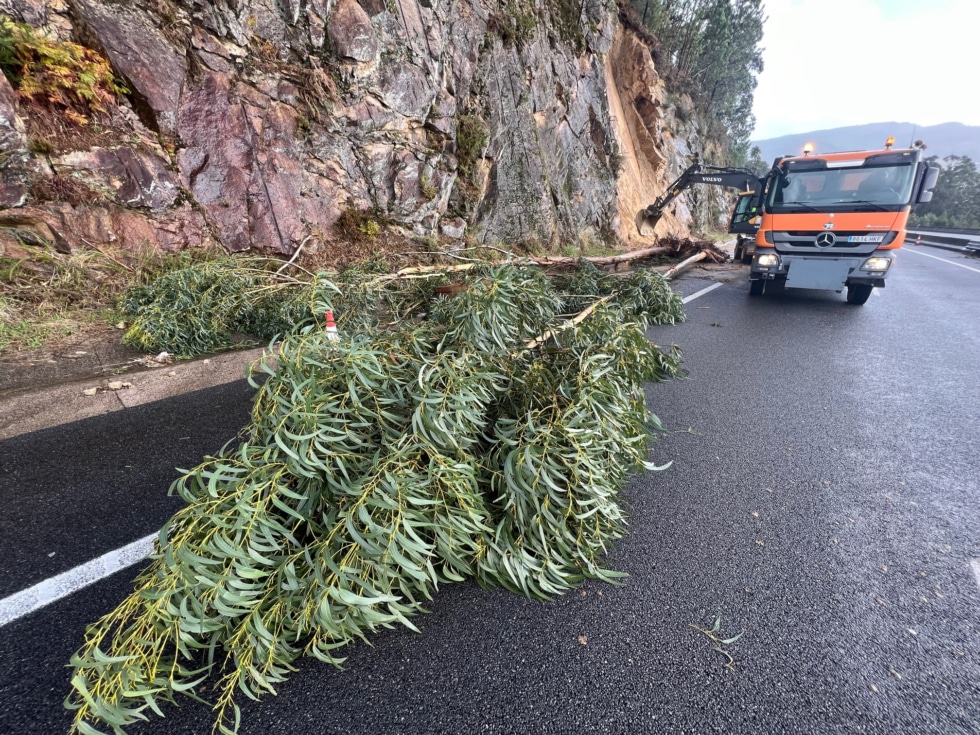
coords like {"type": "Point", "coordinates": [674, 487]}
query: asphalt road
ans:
{"type": "Point", "coordinates": [823, 501]}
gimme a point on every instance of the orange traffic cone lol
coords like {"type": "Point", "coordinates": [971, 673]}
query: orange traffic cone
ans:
{"type": "Point", "coordinates": [332, 334]}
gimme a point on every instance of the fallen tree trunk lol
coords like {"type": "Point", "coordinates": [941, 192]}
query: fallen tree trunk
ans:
{"type": "Point", "coordinates": [685, 264]}
{"type": "Point", "coordinates": [673, 246]}
{"type": "Point", "coordinates": [547, 260]}
{"type": "Point", "coordinates": [424, 271]}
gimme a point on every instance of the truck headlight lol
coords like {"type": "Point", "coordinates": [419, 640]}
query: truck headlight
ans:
{"type": "Point", "coordinates": [767, 260]}
{"type": "Point", "coordinates": [876, 264]}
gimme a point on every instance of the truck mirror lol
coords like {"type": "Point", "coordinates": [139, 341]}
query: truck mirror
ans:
{"type": "Point", "coordinates": [928, 182]}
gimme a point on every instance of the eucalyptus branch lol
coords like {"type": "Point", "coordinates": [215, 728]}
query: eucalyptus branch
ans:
{"type": "Point", "coordinates": [508, 253]}
{"type": "Point", "coordinates": [581, 317]}
{"type": "Point", "coordinates": [405, 455]}
{"type": "Point", "coordinates": [299, 249]}
{"type": "Point", "coordinates": [452, 252]}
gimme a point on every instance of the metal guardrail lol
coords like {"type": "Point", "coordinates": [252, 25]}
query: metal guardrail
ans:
{"type": "Point", "coordinates": [950, 230]}
{"type": "Point", "coordinates": [963, 241]}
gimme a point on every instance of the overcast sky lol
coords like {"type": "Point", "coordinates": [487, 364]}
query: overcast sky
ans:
{"type": "Point", "coordinates": [832, 63]}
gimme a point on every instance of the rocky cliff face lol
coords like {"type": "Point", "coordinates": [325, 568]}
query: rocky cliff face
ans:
{"type": "Point", "coordinates": [256, 123]}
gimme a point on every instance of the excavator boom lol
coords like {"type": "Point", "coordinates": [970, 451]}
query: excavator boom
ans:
{"type": "Point", "coordinates": [696, 173]}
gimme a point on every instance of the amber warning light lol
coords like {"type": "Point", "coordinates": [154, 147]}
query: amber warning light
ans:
{"type": "Point", "coordinates": [807, 149]}
{"type": "Point", "coordinates": [889, 141]}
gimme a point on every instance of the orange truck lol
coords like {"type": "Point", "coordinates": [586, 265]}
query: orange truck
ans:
{"type": "Point", "coordinates": [830, 221]}
{"type": "Point", "coordinates": [835, 220]}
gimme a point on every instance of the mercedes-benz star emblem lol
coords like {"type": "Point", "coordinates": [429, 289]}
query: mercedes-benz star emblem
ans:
{"type": "Point", "coordinates": [826, 240]}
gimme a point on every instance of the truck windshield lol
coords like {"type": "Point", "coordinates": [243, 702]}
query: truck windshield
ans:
{"type": "Point", "coordinates": [853, 188]}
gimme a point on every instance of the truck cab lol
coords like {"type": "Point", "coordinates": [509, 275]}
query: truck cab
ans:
{"type": "Point", "coordinates": [835, 221]}
{"type": "Point", "coordinates": [744, 223]}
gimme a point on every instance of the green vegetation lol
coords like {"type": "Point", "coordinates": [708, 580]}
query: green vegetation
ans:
{"type": "Point", "coordinates": [710, 50]}
{"type": "Point", "coordinates": [471, 136]}
{"type": "Point", "coordinates": [17, 332]}
{"type": "Point", "coordinates": [358, 225]}
{"type": "Point", "coordinates": [203, 307]}
{"type": "Point", "coordinates": [956, 198]}
{"type": "Point", "coordinates": [65, 76]}
{"type": "Point", "coordinates": [516, 25]}
{"type": "Point", "coordinates": [428, 189]}
{"type": "Point", "coordinates": [756, 164]}
{"type": "Point", "coordinates": [212, 305]}
{"type": "Point", "coordinates": [47, 296]}
{"type": "Point", "coordinates": [568, 20]}
{"type": "Point", "coordinates": [429, 445]}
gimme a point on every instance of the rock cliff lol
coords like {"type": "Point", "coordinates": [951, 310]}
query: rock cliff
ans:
{"type": "Point", "coordinates": [256, 123]}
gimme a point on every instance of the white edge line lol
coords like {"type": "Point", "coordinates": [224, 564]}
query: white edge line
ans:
{"type": "Point", "coordinates": [975, 565]}
{"type": "Point", "coordinates": [936, 257]}
{"type": "Point", "coordinates": [51, 590]}
{"type": "Point", "coordinates": [700, 293]}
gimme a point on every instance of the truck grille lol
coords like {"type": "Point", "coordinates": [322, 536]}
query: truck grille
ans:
{"type": "Point", "coordinates": [805, 241]}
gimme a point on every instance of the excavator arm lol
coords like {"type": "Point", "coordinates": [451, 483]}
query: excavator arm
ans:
{"type": "Point", "coordinates": [696, 173]}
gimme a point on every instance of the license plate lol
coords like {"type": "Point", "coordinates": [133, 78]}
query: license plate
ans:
{"type": "Point", "coordinates": [828, 275]}
{"type": "Point", "coordinates": [865, 238]}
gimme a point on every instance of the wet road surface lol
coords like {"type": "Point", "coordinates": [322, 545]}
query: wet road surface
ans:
{"type": "Point", "coordinates": [823, 501]}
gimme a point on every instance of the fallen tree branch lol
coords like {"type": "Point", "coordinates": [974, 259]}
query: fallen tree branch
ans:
{"type": "Point", "coordinates": [104, 254]}
{"type": "Point", "coordinates": [602, 260]}
{"type": "Point", "coordinates": [426, 271]}
{"type": "Point", "coordinates": [686, 264]}
{"type": "Point", "coordinates": [582, 316]}
{"type": "Point", "coordinates": [585, 313]}
{"type": "Point", "coordinates": [295, 254]}
{"type": "Point", "coordinates": [452, 409]}
{"type": "Point", "coordinates": [545, 261]}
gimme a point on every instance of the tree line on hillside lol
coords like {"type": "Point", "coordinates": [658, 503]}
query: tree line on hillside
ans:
{"type": "Point", "coordinates": [710, 50]}
{"type": "Point", "coordinates": [956, 197]}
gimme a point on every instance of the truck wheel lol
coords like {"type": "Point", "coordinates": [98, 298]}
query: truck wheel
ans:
{"type": "Point", "coordinates": [739, 252]}
{"type": "Point", "coordinates": [746, 254]}
{"type": "Point", "coordinates": [757, 288]}
{"type": "Point", "coordinates": [859, 293]}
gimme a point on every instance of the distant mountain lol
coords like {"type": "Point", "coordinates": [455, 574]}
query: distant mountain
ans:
{"type": "Point", "coordinates": [941, 140]}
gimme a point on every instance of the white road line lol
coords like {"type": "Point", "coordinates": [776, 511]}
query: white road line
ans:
{"type": "Point", "coordinates": [53, 589]}
{"type": "Point", "coordinates": [975, 565]}
{"type": "Point", "coordinates": [700, 293]}
{"type": "Point", "coordinates": [936, 257]}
